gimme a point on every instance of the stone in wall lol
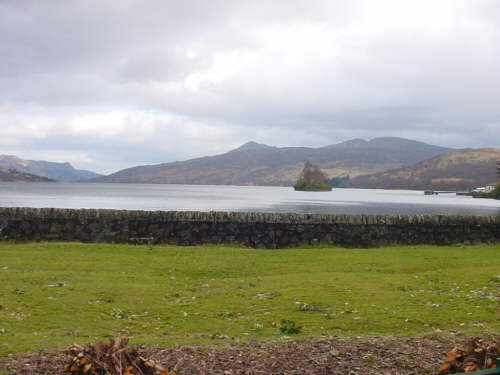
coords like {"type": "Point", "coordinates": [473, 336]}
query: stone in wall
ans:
{"type": "Point", "coordinates": [258, 230]}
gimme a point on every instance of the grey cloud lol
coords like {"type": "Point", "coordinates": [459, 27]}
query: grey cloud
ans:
{"type": "Point", "coordinates": [318, 72]}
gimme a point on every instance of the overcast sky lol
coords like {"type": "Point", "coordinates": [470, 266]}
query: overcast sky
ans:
{"type": "Point", "coordinates": [111, 84]}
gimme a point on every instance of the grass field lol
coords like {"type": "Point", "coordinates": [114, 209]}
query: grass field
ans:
{"type": "Point", "coordinates": [54, 294]}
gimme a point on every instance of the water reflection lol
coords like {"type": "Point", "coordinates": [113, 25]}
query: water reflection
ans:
{"type": "Point", "coordinates": [238, 198]}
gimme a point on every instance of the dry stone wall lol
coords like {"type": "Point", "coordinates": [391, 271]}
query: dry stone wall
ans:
{"type": "Point", "coordinates": [258, 230]}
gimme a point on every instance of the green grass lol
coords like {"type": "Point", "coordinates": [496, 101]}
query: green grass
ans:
{"type": "Point", "coordinates": [54, 294]}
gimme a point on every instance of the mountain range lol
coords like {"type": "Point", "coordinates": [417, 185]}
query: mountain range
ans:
{"type": "Point", "coordinates": [11, 175]}
{"type": "Point", "coordinates": [459, 170]}
{"type": "Point", "coordinates": [386, 163]}
{"type": "Point", "coordinates": [259, 164]}
{"type": "Point", "coordinates": [54, 171]}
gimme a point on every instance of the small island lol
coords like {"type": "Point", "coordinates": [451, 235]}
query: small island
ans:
{"type": "Point", "coordinates": [312, 179]}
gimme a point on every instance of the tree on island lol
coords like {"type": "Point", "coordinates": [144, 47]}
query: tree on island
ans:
{"type": "Point", "coordinates": [312, 179]}
{"type": "Point", "coordinates": [496, 192]}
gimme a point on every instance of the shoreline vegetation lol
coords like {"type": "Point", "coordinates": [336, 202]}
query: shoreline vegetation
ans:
{"type": "Point", "coordinates": [312, 186]}
{"type": "Point", "coordinates": [172, 295]}
{"type": "Point", "coordinates": [495, 194]}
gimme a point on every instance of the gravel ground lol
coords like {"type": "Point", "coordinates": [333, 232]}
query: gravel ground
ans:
{"type": "Point", "coordinates": [368, 355]}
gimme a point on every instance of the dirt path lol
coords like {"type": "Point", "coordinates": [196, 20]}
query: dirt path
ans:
{"type": "Point", "coordinates": [373, 355]}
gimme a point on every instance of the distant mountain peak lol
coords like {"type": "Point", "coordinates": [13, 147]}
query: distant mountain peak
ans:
{"type": "Point", "coordinates": [404, 144]}
{"type": "Point", "coordinates": [393, 139]}
{"type": "Point", "coordinates": [61, 171]}
{"type": "Point", "coordinates": [249, 146]}
{"type": "Point", "coordinates": [355, 142]}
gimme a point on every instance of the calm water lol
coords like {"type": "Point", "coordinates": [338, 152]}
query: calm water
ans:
{"type": "Point", "coordinates": [237, 198]}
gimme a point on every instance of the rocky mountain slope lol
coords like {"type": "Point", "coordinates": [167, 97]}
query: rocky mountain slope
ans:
{"type": "Point", "coordinates": [12, 175]}
{"type": "Point", "coordinates": [459, 170]}
{"type": "Point", "coordinates": [259, 164]}
{"type": "Point", "coordinates": [52, 170]}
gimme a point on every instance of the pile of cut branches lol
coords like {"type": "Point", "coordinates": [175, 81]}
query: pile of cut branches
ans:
{"type": "Point", "coordinates": [476, 356]}
{"type": "Point", "coordinates": [113, 358]}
